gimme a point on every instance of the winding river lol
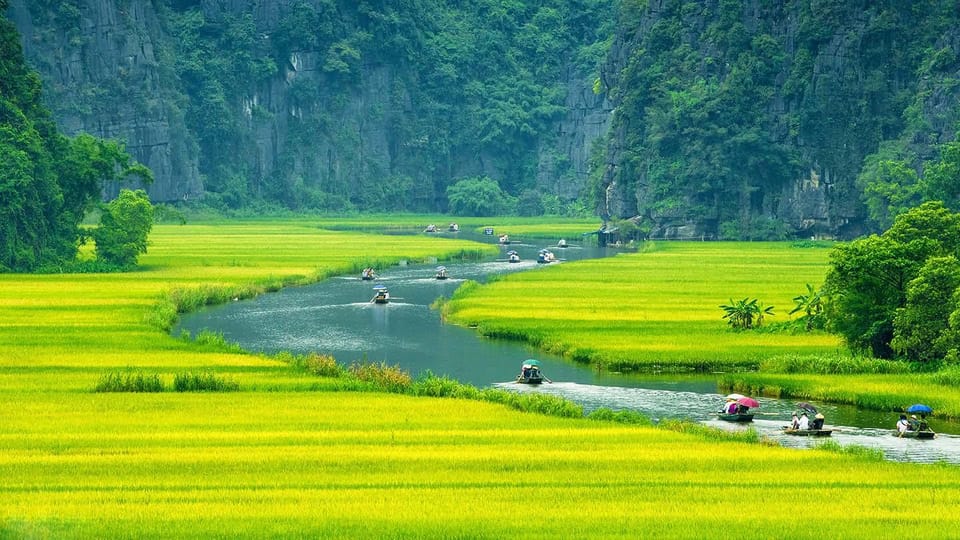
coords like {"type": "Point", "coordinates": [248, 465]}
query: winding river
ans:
{"type": "Point", "coordinates": [337, 317]}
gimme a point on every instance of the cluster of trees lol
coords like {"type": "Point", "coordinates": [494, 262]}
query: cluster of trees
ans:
{"type": "Point", "coordinates": [897, 294]}
{"type": "Point", "coordinates": [49, 182]}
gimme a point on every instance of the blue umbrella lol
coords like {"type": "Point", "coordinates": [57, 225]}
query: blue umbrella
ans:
{"type": "Point", "coordinates": [919, 408]}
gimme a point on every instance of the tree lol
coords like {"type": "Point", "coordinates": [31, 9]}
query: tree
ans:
{"type": "Point", "coordinates": [921, 327]}
{"type": "Point", "coordinates": [868, 279]}
{"type": "Point", "coordinates": [478, 196]}
{"type": "Point", "coordinates": [124, 225]}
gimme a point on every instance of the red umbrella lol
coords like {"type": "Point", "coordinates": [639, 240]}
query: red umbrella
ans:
{"type": "Point", "coordinates": [748, 402]}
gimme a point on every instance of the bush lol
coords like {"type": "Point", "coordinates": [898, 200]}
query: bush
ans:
{"type": "Point", "coordinates": [203, 382]}
{"type": "Point", "coordinates": [382, 376]}
{"type": "Point", "coordinates": [129, 382]}
{"type": "Point", "coordinates": [323, 365]}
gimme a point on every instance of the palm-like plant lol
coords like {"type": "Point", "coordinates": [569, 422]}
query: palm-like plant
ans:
{"type": "Point", "coordinates": [811, 304]}
{"type": "Point", "coordinates": [745, 314]}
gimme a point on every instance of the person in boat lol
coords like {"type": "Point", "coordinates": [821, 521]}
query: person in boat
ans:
{"type": "Point", "coordinates": [742, 409]}
{"type": "Point", "coordinates": [454, 227]}
{"type": "Point", "coordinates": [430, 228]}
{"type": "Point", "coordinates": [902, 424]}
{"type": "Point", "coordinates": [368, 273]}
{"type": "Point", "coordinates": [913, 423]}
{"type": "Point", "coordinates": [795, 421]}
{"type": "Point", "coordinates": [804, 421]}
{"type": "Point", "coordinates": [730, 407]}
{"type": "Point", "coordinates": [923, 423]}
{"type": "Point", "coordinates": [817, 421]}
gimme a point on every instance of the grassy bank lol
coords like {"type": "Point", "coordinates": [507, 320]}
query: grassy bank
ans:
{"type": "Point", "coordinates": [655, 310]}
{"type": "Point", "coordinates": [289, 453]}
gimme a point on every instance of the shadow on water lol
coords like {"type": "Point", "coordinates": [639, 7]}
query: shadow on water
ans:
{"type": "Point", "coordinates": [337, 317]}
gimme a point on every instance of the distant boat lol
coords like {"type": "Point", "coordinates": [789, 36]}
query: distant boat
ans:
{"type": "Point", "coordinates": [381, 295]}
{"type": "Point", "coordinates": [504, 239]}
{"type": "Point", "coordinates": [807, 432]}
{"type": "Point", "coordinates": [368, 274]}
{"type": "Point", "coordinates": [546, 256]}
{"type": "Point", "coordinates": [453, 228]}
{"type": "Point", "coordinates": [736, 417]}
{"type": "Point", "coordinates": [562, 243]}
{"type": "Point", "coordinates": [513, 256]}
{"type": "Point", "coordinates": [913, 434]}
{"type": "Point", "coordinates": [441, 272]}
{"type": "Point", "coordinates": [530, 373]}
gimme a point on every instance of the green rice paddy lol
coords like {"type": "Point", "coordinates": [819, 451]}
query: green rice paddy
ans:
{"type": "Point", "coordinates": [295, 455]}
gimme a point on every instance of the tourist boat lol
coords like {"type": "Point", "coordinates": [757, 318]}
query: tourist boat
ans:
{"type": "Point", "coordinates": [513, 256]}
{"type": "Point", "coordinates": [562, 243]}
{"type": "Point", "coordinates": [431, 228]}
{"type": "Point", "coordinates": [441, 272]}
{"type": "Point", "coordinates": [530, 373]}
{"type": "Point", "coordinates": [735, 417]}
{"type": "Point", "coordinates": [504, 240]}
{"type": "Point", "coordinates": [545, 256]}
{"type": "Point", "coordinates": [453, 228]}
{"type": "Point", "coordinates": [807, 432]}
{"type": "Point", "coordinates": [913, 434]}
{"type": "Point", "coordinates": [381, 295]}
{"type": "Point", "coordinates": [368, 274]}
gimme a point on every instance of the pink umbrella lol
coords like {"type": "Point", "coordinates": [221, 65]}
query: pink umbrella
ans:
{"type": "Point", "coordinates": [748, 402]}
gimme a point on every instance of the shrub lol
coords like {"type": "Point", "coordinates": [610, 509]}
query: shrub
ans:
{"type": "Point", "coordinates": [621, 417]}
{"type": "Point", "coordinates": [382, 376]}
{"type": "Point", "coordinates": [129, 382]}
{"type": "Point", "coordinates": [203, 382]}
{"type": "Point", "coordinates": [323, 365]}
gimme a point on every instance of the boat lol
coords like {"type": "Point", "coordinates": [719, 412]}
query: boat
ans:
{"type": "Point", "coordinates": [913, 434]}
{"type": "Point", "coordinates": [453, 228]}
{"type": "Point", "coordinates": [431, 228]}
{"type": "Point", "coordinates": [381, 295]}
{"type": "Point", "coordinates": [441, 272]}
{"type": "Point", "coordinates": [545, 256]}
{"type": "Point", "coordinates": [530, 373]}
{"type": "Point", "coordinates": [807, 432]}
{"type": "Point", "coordinates": [368, 274]}
{"type": "Point", "coordinates": [513, 256]}
{"type": "Point", "coordinates": [504, 240]}
{"type": "Point", "coordinates": [735, 417]}
{"type": "Point", "coordinates": [562, 243]}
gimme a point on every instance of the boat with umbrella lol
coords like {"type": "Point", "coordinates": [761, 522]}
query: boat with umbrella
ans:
{"type": "Point", "coordinates": [441, 272]}
{"type": "Point", "coordinates": [816, 428]}
{"type": "Point", "coordinates": [530, 373]}
{"type": "Point", "coordinates": [737, 408]}
{"type": "Point", "coordinates": [918, 429]}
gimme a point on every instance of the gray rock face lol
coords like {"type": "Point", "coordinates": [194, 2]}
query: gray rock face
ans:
{"type": "Point", "coordinates": [101, 77]}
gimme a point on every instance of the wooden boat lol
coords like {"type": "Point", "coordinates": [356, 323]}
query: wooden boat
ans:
{"type": "Point", "coordinates": [913, 434]}
{"type": "Point", "coordinates": [807, 432]}
{"type": "Point", "coordinates": [735, 417]}
{"type": "Point", "coordinates": [441, 272]}
{"type": "Point", "coordinates": [530, 373]}
{"type": "Point", "coordinates": [513, 256]}
{"type": "Point", "coordinates": [381, 295]}
{"type": "Point", "coordinates": [532, 377]}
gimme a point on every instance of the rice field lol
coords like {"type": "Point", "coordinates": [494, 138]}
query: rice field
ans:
{"type": "Point", "coordinates": [654, 310]}
{"type": "Point", "coordinates": [293, 455]}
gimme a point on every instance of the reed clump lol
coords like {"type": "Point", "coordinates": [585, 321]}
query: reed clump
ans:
{"type": "Point", "coordinates": [129, 381]}
{"type": "Point", "coordinates": [203, 382]}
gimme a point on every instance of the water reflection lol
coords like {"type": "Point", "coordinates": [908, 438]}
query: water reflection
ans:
{"type": "Point", "coordinates": [337, 317]}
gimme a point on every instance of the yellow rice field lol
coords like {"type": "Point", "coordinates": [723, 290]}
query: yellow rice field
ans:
{"type": "Point", "coordinates": [287, 456]}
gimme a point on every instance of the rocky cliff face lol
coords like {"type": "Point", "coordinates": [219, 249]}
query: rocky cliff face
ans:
{"type": "Point", "coordinates": [845, 82]}
{"type": "Point", "coordinates": [297, 136]}
{"type": "Point", "coordinates": [101, 76]}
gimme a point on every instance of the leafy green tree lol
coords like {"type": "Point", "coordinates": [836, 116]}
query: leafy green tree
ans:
{"type": "Point", "coordinates": [124, 226]}
{"type": "Point", "coordinates": [921, 327]}
{"type": "Point", "coordinates": [868, 278]}
{"type": "Point", "coordinates": [478, 196]}
{"type": "Point", "coordinates": [941, 179]}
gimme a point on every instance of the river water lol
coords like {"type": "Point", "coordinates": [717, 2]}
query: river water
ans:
{"type": "Point", "coordinates": [337, 317]}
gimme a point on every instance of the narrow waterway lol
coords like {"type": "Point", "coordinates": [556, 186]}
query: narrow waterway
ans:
{"type": "Point", "coordinates": [337, 317]}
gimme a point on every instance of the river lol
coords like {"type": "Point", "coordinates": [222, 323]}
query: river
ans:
{"type": "Point", "coordinates": [337, 317]}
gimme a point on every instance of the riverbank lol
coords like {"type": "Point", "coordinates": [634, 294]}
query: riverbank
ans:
{"type": "Point", "coordinates": [658, 311]}
{"type": "Point", "coordinates": [294, 454]}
